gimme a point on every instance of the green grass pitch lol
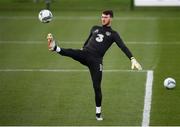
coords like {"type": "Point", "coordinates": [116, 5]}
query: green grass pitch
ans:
{"type": "Point", "coordinates": [67, 98]}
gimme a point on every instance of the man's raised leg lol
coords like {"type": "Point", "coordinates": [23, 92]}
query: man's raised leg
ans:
{"type": "Point", "coordinates": [76, 54]}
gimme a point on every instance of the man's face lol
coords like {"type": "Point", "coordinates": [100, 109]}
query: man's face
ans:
{"type": "Point", "coordinates": [106, 20]}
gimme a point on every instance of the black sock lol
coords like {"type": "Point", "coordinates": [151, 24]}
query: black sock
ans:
{"type": "Point", "coordinates": [98, 115]}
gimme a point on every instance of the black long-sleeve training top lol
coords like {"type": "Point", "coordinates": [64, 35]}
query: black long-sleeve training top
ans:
{"type": "Point", "coordinates": [101, 38]}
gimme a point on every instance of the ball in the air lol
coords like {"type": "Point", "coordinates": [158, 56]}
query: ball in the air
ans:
{"type": "Point", "coordinates": [45, 16]}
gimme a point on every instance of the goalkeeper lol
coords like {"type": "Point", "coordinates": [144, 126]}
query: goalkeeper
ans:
{"type": "Point", "coordinates": [92, 52]}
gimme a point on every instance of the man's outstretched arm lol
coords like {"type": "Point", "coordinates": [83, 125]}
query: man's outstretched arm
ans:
{"type": "Point", "coordinates": [123, 47]}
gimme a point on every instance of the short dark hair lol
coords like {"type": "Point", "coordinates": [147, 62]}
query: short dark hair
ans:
{"type": "Point", "coordinates": [108, 12]}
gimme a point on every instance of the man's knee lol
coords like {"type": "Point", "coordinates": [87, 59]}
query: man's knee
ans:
{"type": "Point", "coordinates": [97, 88]}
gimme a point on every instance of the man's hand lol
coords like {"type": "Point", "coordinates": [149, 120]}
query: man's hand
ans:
{"type": "Point", "coordinates": [135, 64]}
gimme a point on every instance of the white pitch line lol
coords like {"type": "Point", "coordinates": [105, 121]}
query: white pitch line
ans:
{"type": "Point", "coordinates": [130, 18]}
{"type": "Point", "coordinates": [66, 70]}
{"type": "Point", "coordinates": [81, 42]}
{"type": "Point", "coordinates": [147, 99]}
{"type": "Point", "coordinates": [79, 18]}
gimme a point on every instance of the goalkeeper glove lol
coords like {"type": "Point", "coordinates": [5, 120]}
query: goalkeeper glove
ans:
{"type": "Point", "coordinates": [135, 64]}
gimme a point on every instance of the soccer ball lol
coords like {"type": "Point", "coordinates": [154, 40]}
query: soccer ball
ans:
{"type": "Point", "coordinates": [169, 83]}
{"type": "Point", "coordinates": [45, 16]}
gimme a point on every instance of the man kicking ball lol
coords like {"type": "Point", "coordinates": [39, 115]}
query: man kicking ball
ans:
{"type": "Point", "coordinates": [92, 52]}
